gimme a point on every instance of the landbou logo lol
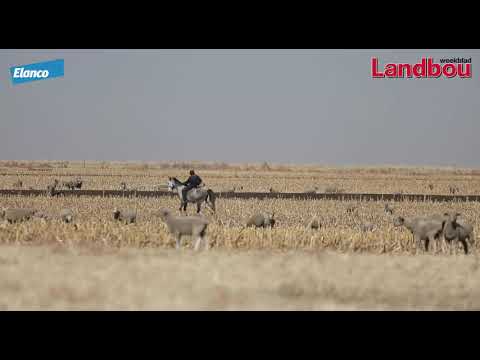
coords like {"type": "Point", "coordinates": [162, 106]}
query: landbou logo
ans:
{"type": "Point", "coordinates": [426, 68]}
{"type": "Point", "coordinates": [37, 71]}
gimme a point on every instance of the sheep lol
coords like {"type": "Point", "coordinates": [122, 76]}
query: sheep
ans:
{"type": "Point", "coordinates": [127, 216]}
{"type": "Point", "coordinates": [368, 226]}
{"type": "Point", "coordinates": [78, 183]}
{"type": "Point", "coordinates": [72, 185]}
{"type": "Point", "coordinates": [51, 189]}
{"type": "Point", "coordinates": [314, 224]}
{"type": "Point", "coordinates": [272, 190]}
{"type": "Point", "coordinates": [430, 186]}
{"type": "Point", "coordinates": [427, 228]}
{"type": "Point", "coordinates": [329, 189]}
{"type": "Point", "coordinates": [457, 231]}
{"type": "Point", "coordinates": [41, 215]}
{"type": "Point", "coordinates": [232, 190]}
{"type": "Point", "coordinates": [351, 208]}
{"type": "Point", "coordinates": [261, 220]}
{"type": "Point", "coordinates": [123, 186]}
{"type": "Point", "coordinates": [453, 189]}
{"type": "Point", "coordinates": [17, 214]}
{"type": "Point", "coordinates": [311, 191]}
{"type": "Point", "coordinates": [195, 226]}
{"type": "Point", "coordinates": [18, 184]}
{"type": "Point", "coordinates": [388, 209]}
{"type": "Point", "coordinates": [69, 185]}
{"type": "Point", "coordinates": [66, 215]}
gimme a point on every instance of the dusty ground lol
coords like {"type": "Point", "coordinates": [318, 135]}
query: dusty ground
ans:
{"type": "Point", "coordinates": [84, 278]}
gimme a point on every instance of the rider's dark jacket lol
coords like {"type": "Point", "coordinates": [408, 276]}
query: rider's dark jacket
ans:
{"type": "Point", "coordinates": [193, 181]}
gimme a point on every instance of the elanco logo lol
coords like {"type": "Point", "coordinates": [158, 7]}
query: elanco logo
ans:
{"type": "Point", "coordinates": [37, 71]}
{"type": "Point", "coordinates": [427, 68]}
{"type": "Point", "coordinates": [22, 73]}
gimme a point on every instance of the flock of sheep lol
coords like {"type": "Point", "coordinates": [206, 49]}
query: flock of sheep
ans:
{"type": "Point", "coordinates": [436, 228]}
{"type": "Point", "coordinates": [433, 228]}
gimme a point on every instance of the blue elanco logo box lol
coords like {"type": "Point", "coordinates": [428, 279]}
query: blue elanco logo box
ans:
{"type": "Point", "coordinates": [38, 71]}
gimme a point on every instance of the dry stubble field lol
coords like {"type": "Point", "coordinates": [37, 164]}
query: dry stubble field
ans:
{"type": "Point", "coordinates": [102, 264]}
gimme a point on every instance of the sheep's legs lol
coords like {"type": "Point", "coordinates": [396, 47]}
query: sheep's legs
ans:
{"type": "Point", "coordinates": [465, 246]}
{"type": "Point", "coordinates": [418, 242]}
{"type": "Point", "coordinates": [453, 245]}
{"type": "Point", "coordinates": [197, 243]}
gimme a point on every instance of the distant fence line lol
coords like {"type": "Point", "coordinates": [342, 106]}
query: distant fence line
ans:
{"type": "Point", "coordinates": [255, 195]}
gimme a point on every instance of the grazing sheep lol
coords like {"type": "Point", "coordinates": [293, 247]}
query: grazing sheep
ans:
{"type": "Point", "coordinates": [368, 226]}
{"type": "Point", "coordinates": [78, 183]}
{"type": "Point", "coordinates": [194, 226]}
{"type": "Point", "coordinates": [127, 216]}
{"type": "Point", "coordinates": [232, 190]}
{"type": "Point", "coordinates": [18, 184]}
{"type": "Point", "coordinates": [41, 215]}
{"type": "Point", "coordinates": [428, 228]}
{"type": "Point", "coordinates": [123, 186]}
{"type": "Point", "coordinates": [17, 214]}
{"type": "Point", "coordinates": [261, 220]}
{"type": "Point", "coordinates": [51, 189]}
{"type": "Point", "coordinates": [69, 185]}
{"type": "Point", "coordinates": [454, 232]}
{"type": "Point", "coordinates": [332, 189]}
{"type": "Point", "coordinates": [66, 215]}
{"type": "Point", "coordinates": [430, 186]}
{"type": "Point", "coordinates": [388, 209]}
{"type": "Point", "coordinates": [314, 224]}
{"type": "Point", "coordinates": [351, 209]}
{"type": "Point", "coordinates": [272, 190]}
{"type": "Point", "coordinates": [72, 185]}
{"type": "Point", "coordinates": [311, 191]}
{"type": "Point", "coordinates": [453, 189]}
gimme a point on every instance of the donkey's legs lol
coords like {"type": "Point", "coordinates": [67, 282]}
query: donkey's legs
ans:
{"type": "Point", "coordinates": [199, 206]}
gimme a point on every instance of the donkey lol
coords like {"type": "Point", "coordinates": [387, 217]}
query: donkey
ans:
{"type": "Point", "coordinates": [196, 196]}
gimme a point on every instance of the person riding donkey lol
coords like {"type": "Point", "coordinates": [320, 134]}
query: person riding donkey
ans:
{"type": "Point", "coordinates": [193, 182]}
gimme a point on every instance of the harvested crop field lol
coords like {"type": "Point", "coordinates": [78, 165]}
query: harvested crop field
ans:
{"type": "Point", "coordinates": [357, 259]}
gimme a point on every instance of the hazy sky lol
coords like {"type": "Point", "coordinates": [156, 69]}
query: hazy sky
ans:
{"type": "Point", "coordinates": [288, 106]}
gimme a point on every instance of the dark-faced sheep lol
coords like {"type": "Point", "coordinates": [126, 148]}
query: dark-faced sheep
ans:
{"type": "Point", "coordinates": [456, 231]}
{"type": "Point", "coordinates": [388, 209]}
{"type": "Point", "coordinates": [127, 216]}
{"type": "Point", "coordinates": [314, 224]}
